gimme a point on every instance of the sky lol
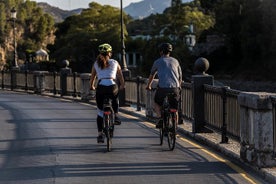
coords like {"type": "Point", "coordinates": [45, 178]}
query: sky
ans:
{"type": "Point", "coordinates": [74, 4]}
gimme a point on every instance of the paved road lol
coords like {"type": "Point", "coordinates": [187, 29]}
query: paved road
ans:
{"type": "Point", "coordinates": [48, 140]}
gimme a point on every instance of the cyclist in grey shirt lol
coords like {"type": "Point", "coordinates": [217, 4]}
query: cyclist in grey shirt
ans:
{"type": "Point", "coordinates": [170, 78]}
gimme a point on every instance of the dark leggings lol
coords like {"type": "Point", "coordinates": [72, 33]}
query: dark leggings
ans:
{"type": "Point", "coordinates": [103, 92]}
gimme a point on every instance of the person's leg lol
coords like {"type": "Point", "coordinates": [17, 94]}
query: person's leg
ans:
{"type": "Point", "coordinates": [99, 102]}
{"type": "Point", "coordinates": [157, 109]}
{"type": "Point", "coordinates": [115, 103]}
{"type": "Point", "coordinates": [158, 100]}
{"type": "Point", "coordinates": [174, 102]}
{"type": "Point", "coordinates": [100, 138]}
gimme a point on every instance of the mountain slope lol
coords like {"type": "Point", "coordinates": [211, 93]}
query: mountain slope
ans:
{"type": "Point", "coordinates": [145, 8]}
{"type": "Point", "coordinates": [58, 14]}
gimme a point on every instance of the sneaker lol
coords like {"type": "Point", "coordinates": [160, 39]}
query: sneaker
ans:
{"type": "Point", "coordinates": [159, 123]}
{"type": "Point", "coordinates": [100, 139]}
{"type": "Point", "coordinates": [117, 121]}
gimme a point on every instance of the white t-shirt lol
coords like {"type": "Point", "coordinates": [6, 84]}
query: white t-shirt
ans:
{"type": "Point", "coordinates": [107, 75]}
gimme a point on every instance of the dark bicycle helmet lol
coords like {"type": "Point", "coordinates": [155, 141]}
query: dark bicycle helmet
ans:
{"type": "Point", "coordinates": [165, 47]}
{"type": "Point", "coordinates": [104, 48]}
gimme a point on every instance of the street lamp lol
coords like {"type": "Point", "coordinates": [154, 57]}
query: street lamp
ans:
{"type": "Point", "coordinates": [125, 71]}
{"type": "Point", "coordinates": [13, 17]}
{"type": "Point", "coordinates": [190, 38]}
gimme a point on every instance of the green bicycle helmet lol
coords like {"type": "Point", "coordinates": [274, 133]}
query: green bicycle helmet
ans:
{"type": "Point", "coordinates": [105, 48]}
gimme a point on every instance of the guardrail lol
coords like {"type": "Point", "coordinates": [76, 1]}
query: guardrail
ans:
{"type": "Point", "coordinates": [273, 99]}
{"type": "Point", "coordinates": [232, 113]}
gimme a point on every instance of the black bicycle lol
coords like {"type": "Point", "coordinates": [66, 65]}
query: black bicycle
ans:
{"type": "Point", "coordinates": [168, 126]}
{"type": "Point", "coordinates": [108, 122]}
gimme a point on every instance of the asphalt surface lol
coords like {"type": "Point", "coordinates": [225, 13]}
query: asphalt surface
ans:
{"type": "Point", "coordinates": [53, 140]}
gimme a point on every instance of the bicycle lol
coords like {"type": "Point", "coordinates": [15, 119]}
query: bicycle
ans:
{"type": "Point", "coordinates": [169, 124]}
{"type": "Point", "coordinates": [168, 127]}
{"type": "Point", "coordinates": [108, 122]}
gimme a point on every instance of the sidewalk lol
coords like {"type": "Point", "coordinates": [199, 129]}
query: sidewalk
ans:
{"type": "Point", "coordinates": [230, 149]}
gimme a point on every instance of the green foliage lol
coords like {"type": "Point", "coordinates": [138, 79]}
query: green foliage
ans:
{"type": "Point", "coordinates": [171, 26]}
{"type": "Point", "coordinates": [249, 28]}
{"type": "Point", "coordinates": [32, 25]}
{"type": "Point", "coordinates": [78, 36]}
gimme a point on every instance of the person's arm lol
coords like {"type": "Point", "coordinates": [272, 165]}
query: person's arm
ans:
{"type": "Point", "coordinates": [180, 76]}
{"type": "Point", "coordinates": [151, 77]}
{"type": "Point", "coordinates": [120, 77]}
{"type": "Point", "coordinates": [92, 79]}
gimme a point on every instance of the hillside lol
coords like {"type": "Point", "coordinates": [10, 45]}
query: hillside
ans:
{"type": "Point", "coordinates": [145, 8]}
{"type": "Point", "coordinates": [137, 10]}
{"type": "Point", "coordinates": [58, 14]}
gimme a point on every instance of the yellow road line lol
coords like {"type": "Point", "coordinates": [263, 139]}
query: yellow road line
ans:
{"type": "Point", "coordinates": [239, 170]}
{"type": "Point", "coordinates": [236, 168]}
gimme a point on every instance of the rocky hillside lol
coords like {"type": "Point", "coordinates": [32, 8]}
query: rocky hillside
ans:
{"type": "Point", "coordinates": [58, 14]}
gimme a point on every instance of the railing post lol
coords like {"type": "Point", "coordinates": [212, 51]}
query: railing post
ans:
{"type": "Point", "coordinates": [198, 82]}
{"type": "Point", "coordinates": [39, 81]}
{"type": "Point", "coordinates": [3, 85]}
{"type": "Point", "coordinates": [14, 71]}
{"type": "Point", "coordinates": [63, 80]}
{"type": "Point", "coordinates": [26, 80]}
{"type": "Point", "coordinates": [150, 100]}
{"type": "Point", "coordinates": [256, 129]}
{"type": "Point", "coordinates": [74, 81]}
{"type": "Point", "coordinates": [55, 88]}
{"type": "Point", "coordinates": [224, 138]}
{"type": "Point", "coordinates": [85, 91]}
{"type": "Point", "coordinates": [138, 79]}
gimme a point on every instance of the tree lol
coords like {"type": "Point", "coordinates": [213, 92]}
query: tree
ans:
{"type": "Point", "coordinates": [34, 27]}
{"type": "Point", "coordinates": [249, 28]}
{"type": "Point", "coordinates": [78, 36]}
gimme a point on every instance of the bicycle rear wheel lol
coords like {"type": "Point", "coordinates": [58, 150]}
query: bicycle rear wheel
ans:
{"type": "Point", "coordinates": [161, 135]}
{"type": "Point", "coordinates": [171, 130]}
{"type": "Point", "coordinates": [107, 130]}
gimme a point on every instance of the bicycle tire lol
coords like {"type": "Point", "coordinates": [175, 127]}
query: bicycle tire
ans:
{"type": "Point", "coordinates": [107, 120]}
{"type": "Point", "coordinates": [171, 131]}
{"type": "Point", "coordinates": [161, 133]}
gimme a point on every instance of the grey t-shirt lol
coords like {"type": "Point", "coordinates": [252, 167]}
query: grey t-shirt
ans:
{"type": "Point", "coordinates": [168, 71]}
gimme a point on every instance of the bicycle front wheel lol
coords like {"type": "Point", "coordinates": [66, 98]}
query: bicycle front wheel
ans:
{"type": "Point", "coordinates": [171, 129]}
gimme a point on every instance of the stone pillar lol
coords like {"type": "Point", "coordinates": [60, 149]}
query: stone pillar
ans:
{"type": "Point", "coordinates": [256, 129]}
{"type": "Point", "coordinates": [85, 81]}
{"type": "Point", "coordinates": [63, 80]}
{"type": "Point", "coordinates": [39, 81]}
{"type": "Point", "coordinates": [150, 100]}
{"type": "Point", "coordinates": [14, 71]}
{"type": "Point", "coordinates": [198, 82]}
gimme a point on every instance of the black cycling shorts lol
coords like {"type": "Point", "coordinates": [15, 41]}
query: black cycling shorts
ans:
{"type": "Point", "coordinates": [173, 99]}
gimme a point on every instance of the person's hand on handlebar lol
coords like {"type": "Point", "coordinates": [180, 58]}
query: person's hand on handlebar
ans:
{"type": "Point", "coordinates": [148, 87]}
{"type": "Point", "coordinates": [93, 88]}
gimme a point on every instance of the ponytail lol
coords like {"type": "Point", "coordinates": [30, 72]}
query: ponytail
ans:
{"type": "Point", "coordinates": [102, 61]}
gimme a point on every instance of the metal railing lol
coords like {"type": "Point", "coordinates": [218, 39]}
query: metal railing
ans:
{"type": "Point", "coordinates": [273, 99]}
{"type": "Point", "coordinates": [222, 111]}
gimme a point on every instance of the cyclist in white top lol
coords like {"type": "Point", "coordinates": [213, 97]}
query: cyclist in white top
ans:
{"type": "Point", "coordinates": [106, 70]}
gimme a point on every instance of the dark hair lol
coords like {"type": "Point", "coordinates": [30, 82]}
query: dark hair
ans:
{"type": "Point", "coordinates": [102, 61]}
{"type": "Point", "coordinates": [165, 48]}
